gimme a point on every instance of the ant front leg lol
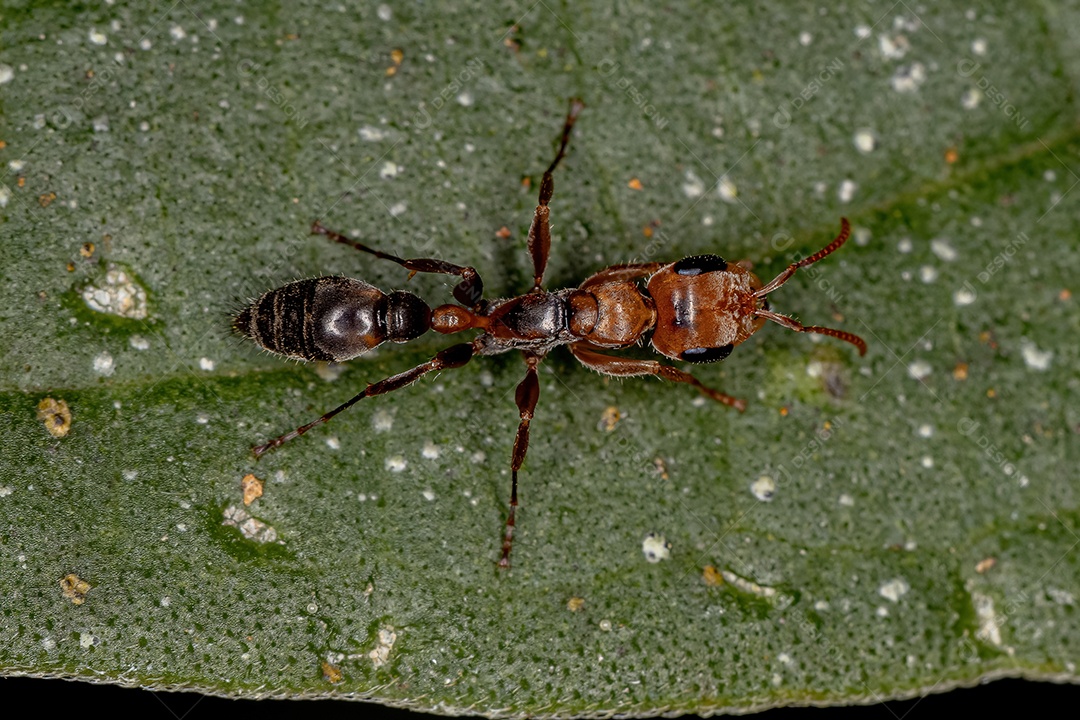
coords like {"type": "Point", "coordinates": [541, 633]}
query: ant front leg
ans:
{"type": "Point", "coordinates": [526, 396]}
{"type": "Point", "coordinates": [588, 356]}
{"type": "Point", "coordinates": [468, 292]}
{"type": "Point", "coordinates": [798, 327]}
{"type": "Point", "coordinates": [540, 231]}
{"type": "Point", "coordinates": [452, 357]}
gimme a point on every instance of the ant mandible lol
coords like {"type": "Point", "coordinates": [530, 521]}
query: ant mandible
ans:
{"type": "Point", "coordinates": [697, 309]}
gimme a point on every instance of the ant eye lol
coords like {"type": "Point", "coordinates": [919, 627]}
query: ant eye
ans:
{"type": "Point", "coordinates": [699, 264]}
{"type": "Point", "coordinates": [707, 355]}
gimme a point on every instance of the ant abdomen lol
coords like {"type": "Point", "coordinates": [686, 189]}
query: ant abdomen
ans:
{"type": "Point", "coordinates": [331, 319]}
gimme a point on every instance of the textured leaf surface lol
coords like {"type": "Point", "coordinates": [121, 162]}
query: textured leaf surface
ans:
{"type": "Point", "coordinates": [870, 527]}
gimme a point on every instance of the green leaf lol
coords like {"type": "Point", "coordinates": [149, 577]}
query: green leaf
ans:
{"type": "Point", "coordinates": [870, 527]}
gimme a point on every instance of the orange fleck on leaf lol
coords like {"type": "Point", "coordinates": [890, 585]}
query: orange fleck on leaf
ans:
{"type": "Point", "coordinates": [712, 576]}
{"type": "Point", "coordinates": [985, 565]}
{"type": "Point", "coordinates": [45, 199]}
{"type": "Point", "coordinates": [634, 184]}
{"type": "Point", "coordinates": [74, 588]}
{"type": "Point", "coordinates": [332, 673]}
{"type": "Point", "coordinates": [503, 232]}
{"type": "Point", "coordinates": [55, 415]}
{"type": "Point", "coordinates": [951, 155]}
{"type": "Point", "coordinates": [252, 488]}
{"type": "Point", "coordinates": [960, 372]}
{"type": "Point", "coordinates": [610, 418]}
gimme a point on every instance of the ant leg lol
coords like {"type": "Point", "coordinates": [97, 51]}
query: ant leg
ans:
{"type": "Point", "coordinates": [452, 357]}
{"type": "Point", "coordinates": [526, 396]}
{"type": "Point", "coordinates": [539, 231]}
{"type": "Point", "coordinates": [845, 232]}
{"type": "Point", "coordinates": [467, 292]}
{"type": "Point", "coordinates": [620, 273]}
{"type": "Point", "coordinates": [587, 355]}
{"type": "Point", "coordinates": [797, 327]}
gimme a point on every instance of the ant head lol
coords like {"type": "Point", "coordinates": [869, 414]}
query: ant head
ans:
{"type": "Point", "coordinates": [704, 308]}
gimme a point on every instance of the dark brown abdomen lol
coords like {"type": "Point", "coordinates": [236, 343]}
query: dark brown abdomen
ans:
{"type": "Point", "coordinates": [331, 319]}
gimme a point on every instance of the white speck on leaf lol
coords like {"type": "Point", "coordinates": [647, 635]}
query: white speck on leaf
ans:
{"type": "Point", "coordinates": [380, 655]}
{"type": "Point", "coordinates": [865, 141]}
{"type": "Point", "coordinates": [894, 589]}
{"type": "Point", "coordinates": [103, 363]}
{"type": "Point", "coordinates": [989, 630]}
{"type": "Point", "coordinates": [846, 191]}
{"type": "Point", "coordinates": [764, 488]}
{"type": "Point", "coordinates": [693, 186]}
{"type": "Point", "coordinates": [118, 295]}
{"type": "Point", "coordinates": [370, 133]}
{"type": "Point", "coordinates": [382, 421]}
{"type": "Point", "coordinates": [909, 78]}
{"type": "Point", "coordinates": [964, 296]}
{"type": "Point", "coordinates": [1035, 358]}
{"type": "Point", "coordinates": [727, 190]}
{"type": "Point", "coordinates": [971, 98]}
{"type": "Point", "coordinates": [919, 369]}
{"type": "Point", "coordinates": [943, 250]}
{"type": "Point", "coordinates": [656, 548]}
{"type": "Point", "coordinates": [389, 169]}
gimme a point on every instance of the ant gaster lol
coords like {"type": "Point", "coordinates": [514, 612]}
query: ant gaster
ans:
{"type": "Point", "coordinates": [697, 309]}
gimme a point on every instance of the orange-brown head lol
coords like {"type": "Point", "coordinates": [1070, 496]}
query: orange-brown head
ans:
{"type": "Point", "coordinates": [705, 307]}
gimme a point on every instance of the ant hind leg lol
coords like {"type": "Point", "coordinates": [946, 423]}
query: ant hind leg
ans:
{"type": "Point", "coordinates": [468, 292]}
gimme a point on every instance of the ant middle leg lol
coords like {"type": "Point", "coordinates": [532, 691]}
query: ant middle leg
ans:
{"type": "Point", "coordinates": [468, 292]}
{"type": "Point", "coordinates": [452, 357]}
{"type": "Point", "coordinates": [620, 273]}
{"type": "Point", "coordinates": [540, 231]}
{"type": "Point", "coordinates": [588, 356]}
{"type": "Point", "coordinates": [526, 397]}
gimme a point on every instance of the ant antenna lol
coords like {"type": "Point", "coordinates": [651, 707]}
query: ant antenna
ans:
{"type": "Point", "coordinates": [845, 233]}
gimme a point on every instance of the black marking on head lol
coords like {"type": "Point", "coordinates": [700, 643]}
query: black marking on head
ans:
{"type": "Point", "coordinates": [699, 264]}
{"type": "Point", "coordinates": [707, 355]}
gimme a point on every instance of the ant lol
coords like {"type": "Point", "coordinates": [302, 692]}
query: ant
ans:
{"type": "Point", "coordinates": [697, 309]}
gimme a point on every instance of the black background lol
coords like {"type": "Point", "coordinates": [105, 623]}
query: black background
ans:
{"type": "Point", "coordinates": [1001, 698]}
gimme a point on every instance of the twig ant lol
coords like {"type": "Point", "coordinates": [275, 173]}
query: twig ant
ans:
{"type": "Point", "coordinates": [697, 309]}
